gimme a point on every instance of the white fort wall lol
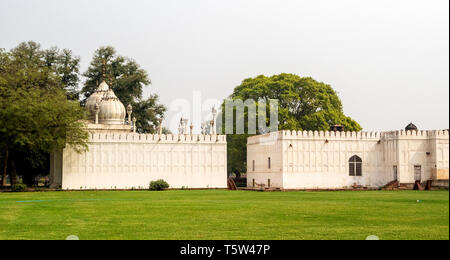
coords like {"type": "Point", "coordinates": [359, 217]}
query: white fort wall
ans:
{"type": "Point", "coordinates": [319, 160]}
{"type": "Point", "coordinates": [427, 149]}
{"type": "Point", "coordinates": [126, 161]}
{"type": "Point", "coordinates": [259, 150]}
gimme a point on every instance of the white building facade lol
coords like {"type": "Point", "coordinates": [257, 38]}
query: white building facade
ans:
{"type": "Point", "coordinates": [340, 160]}
{"type": "Point", "coordinates": [119, 158]}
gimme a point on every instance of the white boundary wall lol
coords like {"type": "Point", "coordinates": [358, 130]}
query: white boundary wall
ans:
{"type": "Point", "coordinates": [127, 161]}
{"type": "Point", "coordinates": [319, 160]}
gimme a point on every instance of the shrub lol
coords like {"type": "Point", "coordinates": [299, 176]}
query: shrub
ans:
{"type": "Point", "coordinates": [159, 185]}
{"type": "Point", "coordinates": [19, 187]}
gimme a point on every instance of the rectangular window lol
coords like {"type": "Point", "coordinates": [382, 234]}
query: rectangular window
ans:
{"type": "Point", "coordinates": [351, 169]}
{"type": "Point", "coordinates": [253, 165]}
{"type": "Point", "coordinates": [358, 169]}
{"type": "Point", "coordinates": [395, 173]}
{"type": "Point", "coordinates": [417, 172]}
{"type": "Point", "coordinates": [269, 163]}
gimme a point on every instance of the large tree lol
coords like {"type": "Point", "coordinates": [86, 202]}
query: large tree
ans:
{"type": "Point", "coordinates": [36, 116]}
{"type": "Point", "coordinates": [67, 67]}
{"type": "Point", "coordinates": [304, 104]}
{"type": "Point", "coordinates": [128, 80]}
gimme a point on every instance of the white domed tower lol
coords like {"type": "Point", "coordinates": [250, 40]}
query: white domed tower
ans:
{"type": "Point", "coordinates": [112, 111]}
{"type": "Point", "coordinates": [106, 111]}
{"type": "Point", "coordinates": [96, 98]}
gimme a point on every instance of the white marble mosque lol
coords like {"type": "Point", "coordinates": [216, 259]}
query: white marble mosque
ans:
{"type": "Point", "coordinates": [120, 158]}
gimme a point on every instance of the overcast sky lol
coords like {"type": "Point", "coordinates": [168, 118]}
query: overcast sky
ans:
{"type": "Point", "coordinates": [388, 60]}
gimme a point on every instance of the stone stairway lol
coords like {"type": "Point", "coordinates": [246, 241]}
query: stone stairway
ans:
{"type": "Point", "coordinates": [231, 184]}
{"type": "Point", "coordinates": [418, 186]}
{"type": "Point", "coordinates": [393, 185]}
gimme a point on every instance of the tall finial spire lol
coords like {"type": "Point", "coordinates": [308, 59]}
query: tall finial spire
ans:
{"type": "Point", "coordinates": [104, 70]}
{"type": "Point", "coordinates": [213, 129]}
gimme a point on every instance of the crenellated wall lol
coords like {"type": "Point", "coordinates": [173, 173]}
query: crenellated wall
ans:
{"type": "Point", "coordinates": [317, 159]}
{"type": "Point", "coordinates": [129, 160]}
{"type": "Point", "coordinates": [351, 135]}
{"type": "Point", "coordinates": [152, 138]}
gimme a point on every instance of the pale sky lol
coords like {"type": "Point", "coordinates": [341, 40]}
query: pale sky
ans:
{"type": "Point", "coordinates": [388, 60]}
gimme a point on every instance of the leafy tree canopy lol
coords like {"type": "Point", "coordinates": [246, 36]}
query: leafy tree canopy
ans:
{"type": "Point", "coordinates": [304, 104]}
{"type": "Point", "coordinates": [128, 80]}
{"type": "Point", "coordinates": [35, 113]}
{"type": "Point", "coordinates": [30, 66]}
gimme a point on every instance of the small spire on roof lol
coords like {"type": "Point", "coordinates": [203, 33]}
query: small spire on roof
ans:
{"type": "Point", "coordinates": [104, 70]}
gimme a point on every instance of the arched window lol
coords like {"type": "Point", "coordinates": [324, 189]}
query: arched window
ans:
{"type": "Point", "coordinates": [355, 166]}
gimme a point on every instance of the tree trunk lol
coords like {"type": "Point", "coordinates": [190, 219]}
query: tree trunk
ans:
{"type": "Point", "coordinates": [13, 172]}
{"type": "Point", "coordinates": [5, 167]}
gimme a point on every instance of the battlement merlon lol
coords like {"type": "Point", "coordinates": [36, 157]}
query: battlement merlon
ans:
{"type": "Point", "coordinates": [336, 135]}
{"type": "Point", "coordinates": [155, 138]}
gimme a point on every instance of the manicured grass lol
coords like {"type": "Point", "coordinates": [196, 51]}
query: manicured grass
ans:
{"type": "Point", "coordinates": [221, 214]}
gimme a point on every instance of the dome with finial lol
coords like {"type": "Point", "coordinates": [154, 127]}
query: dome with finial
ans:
{"type": "Point", "coordinates": [112, 111]}
{"type": "Point", "coordinates": [411, 127]}
{"type": "Point", "coordinates": [95, 98]}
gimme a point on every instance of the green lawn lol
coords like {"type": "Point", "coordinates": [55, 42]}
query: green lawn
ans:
{"type": "Point", "coordinates": [221, 214]}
